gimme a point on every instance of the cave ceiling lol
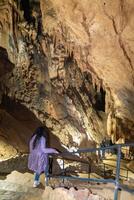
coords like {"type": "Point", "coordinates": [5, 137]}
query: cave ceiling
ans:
{"type": "Point", "coordinates": [71, 63]}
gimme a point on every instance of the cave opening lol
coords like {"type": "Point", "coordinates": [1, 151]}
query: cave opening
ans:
{"type": "Point", "coordinates": [32, 13]}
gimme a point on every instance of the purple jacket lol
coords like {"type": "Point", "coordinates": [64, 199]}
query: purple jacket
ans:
{"type": "Point", "coordinates": [38, 157]}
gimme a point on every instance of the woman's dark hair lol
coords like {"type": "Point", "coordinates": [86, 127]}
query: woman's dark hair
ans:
{"type": "Point", "coordinates": [41, 131]}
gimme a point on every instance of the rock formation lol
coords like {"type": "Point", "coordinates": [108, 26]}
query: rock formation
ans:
{"type": "Point", "coordinates": [73, 66]}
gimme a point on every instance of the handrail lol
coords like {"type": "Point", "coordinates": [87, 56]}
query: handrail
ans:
{"type": "Point", "coordinates": [71, 159]}
{"type": "Point", "coordinates": [116, 181]}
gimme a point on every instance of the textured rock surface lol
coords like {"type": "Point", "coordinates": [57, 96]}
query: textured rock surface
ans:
{"type": "Point", "coordinates": [18, 186]}
{"type": "Point", "coordinates": [99, 34]}
{"type": "Point", "coordinates": [131, 165]}
{"type": "Point", "coordinates": [73, 66]}
{"type": "Point", "coordinates": [70, 194]}
{"type": "Point", "coordinates": [9, 190]}
{"type": "Point", "coordinates": [8, 27]}
{"type": "Point", "coordinates": [12, 191]}
{"type": "Point", "coordinates": [16, 127]}
{"type": "Point", "coordinates": [62, 103]}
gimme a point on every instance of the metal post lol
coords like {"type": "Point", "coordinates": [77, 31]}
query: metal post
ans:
{"type": "Point", "coordinates": [47, 173]}
{"type": "Point", "coordinates": [47, 177]}
{"type": "Point", "coordinates": [89, 170]}
{"type": "Point", "coordinates": [117, 173]}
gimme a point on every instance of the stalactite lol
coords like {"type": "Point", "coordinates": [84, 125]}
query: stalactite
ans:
{"type": "Point", "coordinates": [93, 81]}
{"type": "Point", "coordinates": [54, 41]}
{"type": "Point", "coordinates": [107, 101]}
{"type": "Point", "coordinates": [113, 129]}
{"type": "Point", "coordinates": [98, 86]}
{"type": "Point", "coordinates": [109, 124]}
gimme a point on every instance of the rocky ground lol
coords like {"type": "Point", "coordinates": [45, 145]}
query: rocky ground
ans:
{"type": "Point", "coordinates": [18, 186]}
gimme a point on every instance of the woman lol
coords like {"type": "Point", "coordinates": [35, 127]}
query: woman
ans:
{"type": "Point", "coordinates": [38, 157]}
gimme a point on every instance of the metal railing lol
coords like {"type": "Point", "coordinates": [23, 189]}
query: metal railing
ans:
{"type": "Point", "coordinates": [115, 181]}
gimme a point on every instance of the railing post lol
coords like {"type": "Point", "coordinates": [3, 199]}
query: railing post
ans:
{"type": "Point", "coordinates": [117, 173]}
{"type": "Point", "coordinates": [47, 173]}
{"type": "Point", "coordinates": [89, 170]}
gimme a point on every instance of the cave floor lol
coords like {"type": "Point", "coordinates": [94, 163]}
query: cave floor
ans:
{"type": "Point", "coordinates": [18, 186]}
{"type": "Point", "coordinates": [15, 191]}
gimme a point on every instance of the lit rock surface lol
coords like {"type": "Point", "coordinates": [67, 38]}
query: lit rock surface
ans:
{"type": "Point", "coordinates": [14, 191]}
{"type": "Point", "coordinates": [18, 186]}
{"type": "Point", "coordinates": [99, 34]}
{"type": "Point", "coordinates": [73, 66]}
{"type": "Point", "coordinates": [71, 194]}
{"type": "Point", "coordinates": [130, 165]}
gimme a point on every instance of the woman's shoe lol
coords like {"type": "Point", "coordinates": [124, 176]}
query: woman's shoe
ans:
{"type": "Point", "coordinates": [36, 183]}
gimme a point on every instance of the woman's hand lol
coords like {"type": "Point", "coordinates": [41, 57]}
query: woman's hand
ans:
{"type": "Point", "coordinates": [56, 152]}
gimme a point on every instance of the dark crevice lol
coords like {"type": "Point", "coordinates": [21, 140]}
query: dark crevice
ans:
{"type": "Point", "coordinates": [69, 59]}
{"type": "Point", "coordinates": [100, 100]}
{"type": "Point", "coordinates": [72, 92]}
{"type": "Point", "coordinates": [25, 6]}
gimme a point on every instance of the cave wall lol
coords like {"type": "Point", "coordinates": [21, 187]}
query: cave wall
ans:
{"type": "Point", "coordinates": [73, 66]}
{"type": "Point", "coordinates": [100, 35]}
{"type": "Point", "coordinates": [9, 18]}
